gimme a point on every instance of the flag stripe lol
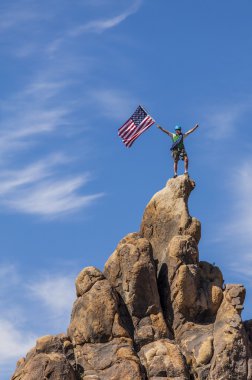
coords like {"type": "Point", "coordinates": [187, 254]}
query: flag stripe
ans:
{"type": "Point", "coordinates": [138, 123]}
{"type": "Point", "coordinates": [129, 130]}
{"type": "Point", "coordinates": [136, 129]}
{"type": "Point", "coordinates": [130, 142]}
{"type": "Point", "coordinates": [150, 123]}
{"type": "Point", "coordinates": [122, 129]}
{"type": "Point", "coordinates": [140, 127]}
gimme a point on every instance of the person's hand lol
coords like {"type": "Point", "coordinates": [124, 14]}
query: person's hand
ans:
{"type": "Point", "coordinates": [197, 125]}
{"type": "Point", "coordinates": [158, 126]}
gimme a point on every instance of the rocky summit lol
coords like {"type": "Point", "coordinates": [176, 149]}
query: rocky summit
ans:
{"type": "Point", "coordinates": [156, 311]}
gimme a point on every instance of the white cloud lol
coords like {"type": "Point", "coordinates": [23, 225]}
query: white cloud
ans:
{"type": "Point", "coordinates": [54, 45]}
{"type": "Point", "coordinates": [45, 88]}
{"type": "Point", "coordinates": [37, 189]}
{"type": "Point", "coordinates": [240, 187]}
{"type": "Point", "coordinates": [12, 18]}
{"type": "Point", "coordinates": [33, 111]}
{"type": "Point", "coordinates": [52, 198]}
{"type": "Point", "coordinates": [99, 26]}
{"type": "Point", "coordinates": [95, 26]}
{"type": "Point", "coordinates": [57, 292]}
{"type": "Point", "coordinates": [25, 50]}
{"type": "Point", "coordinates": [113, 103]}
{"type": "Point", "coordinates": [8, 275]}
{"type": "Point", "coordinates": [222, 121]}
{"type": "Point", "coordinates": [12, 180]}
{"type": "Point", "coordinates": [14, 341]}
{"type": "Point", "coordinates": [32, 304]}
{"type": "Point", "coordinates": [234, 233]}
{"type": "Point", "coordinates": [243, 267]}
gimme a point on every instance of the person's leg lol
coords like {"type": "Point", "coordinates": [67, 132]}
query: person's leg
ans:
{"type": "Point", "coordinates": [186, 162]}
{"type": "Point", "coordinates": [175, 168]}
{"type": "Point", "coordinates": [175, 157]}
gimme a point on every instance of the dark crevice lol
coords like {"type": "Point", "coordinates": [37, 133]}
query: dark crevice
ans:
{"type": "Point", "coordinates": [165, 296]}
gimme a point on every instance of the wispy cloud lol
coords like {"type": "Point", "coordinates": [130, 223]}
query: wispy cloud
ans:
{"type": "Point", "coordinates": [234, 232]}
{"type": "Point", "coordinates": [94, 26]}
{"type": "Point", "coordinates": [222, 120]}
{"type": "Point", "coordinates": [240, 187]}
{"type": "Point", "coordinates": [12, 180]}
{"type": "Point", "coordinates": [32, 182]}
{"type": "Point", "coordinates": [8, 275]}
{"type": "Point", "coordinates": [99, 26]}
{"type": "Point", "coordinates": [57, 292]}
{"type": "Point", "coordinates": [243, 267]}
{"type": "Point", "coordinates": [33, 111]}
{"type": "Point", "coordinates": [16, 338]}
{"type": "Point", "coordinates": [113, 103]}
{"type": "Point", "coordinates": [13, 18]}
{"type": "Point", "coordinates": [52, 199]}
{"type": "Point", "coordinates": [32, 304]}
{"type": "Point", "coordinates": [38, 189]}
{"type": "Point", "coordinates": [15, 342]}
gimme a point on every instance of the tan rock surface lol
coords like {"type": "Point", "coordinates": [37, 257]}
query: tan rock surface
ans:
{"type": "Point", "coordinates": [52, 358]}
{"type": "Point", "coordinates": [114, 360]}
{"type": "Point", "coordinates": [231, 349]}
{"type": "Point", "coordinates": [156, 312]}
{"type": "Point", "coordinates": [167, 215]}
{"type": "Point", "coordinates": [132, 272]}
{"type": "Point", "coordinates": [163, 359]}
{"type": "Point", "coordinates": [95, 316]}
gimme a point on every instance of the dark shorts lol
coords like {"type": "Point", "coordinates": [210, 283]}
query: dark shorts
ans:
{"type": "Point", "coordinates": [179, 154]}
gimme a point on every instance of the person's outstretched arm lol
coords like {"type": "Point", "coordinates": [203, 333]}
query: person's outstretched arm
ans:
{"type": "Point", "coordinates": [191, 130]}
{"type": "Point", "coordinates": [165, 131]}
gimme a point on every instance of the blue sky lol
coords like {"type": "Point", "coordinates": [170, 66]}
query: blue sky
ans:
{"type": "Point", "coordinates": [71, 73]}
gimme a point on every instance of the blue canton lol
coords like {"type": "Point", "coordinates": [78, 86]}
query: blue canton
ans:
{"type": "Point", "coordinates": [138, 115]}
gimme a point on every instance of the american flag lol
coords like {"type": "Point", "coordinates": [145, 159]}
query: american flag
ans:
{"type": "Point", "coordinates": [139, 122]}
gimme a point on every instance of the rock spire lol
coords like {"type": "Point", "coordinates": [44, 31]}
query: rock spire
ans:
{"type": "Point", "coordinates": [156, 312]}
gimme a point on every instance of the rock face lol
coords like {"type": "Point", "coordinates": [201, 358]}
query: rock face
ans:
{"type": "Point", "coordinates": [52, 358]}
{"type": "Point", "coordinates": [156, 312]}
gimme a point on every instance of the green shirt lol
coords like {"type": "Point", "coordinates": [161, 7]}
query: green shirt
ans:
{"type": "Point", "coordinates": [175, 137]}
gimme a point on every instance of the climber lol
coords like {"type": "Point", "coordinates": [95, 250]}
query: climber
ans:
{"type": "Point", "coordinates": [178, 148]}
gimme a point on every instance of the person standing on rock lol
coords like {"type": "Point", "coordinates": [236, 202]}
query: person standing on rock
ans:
{"type": "Point", "coordinates": [178, 148]}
